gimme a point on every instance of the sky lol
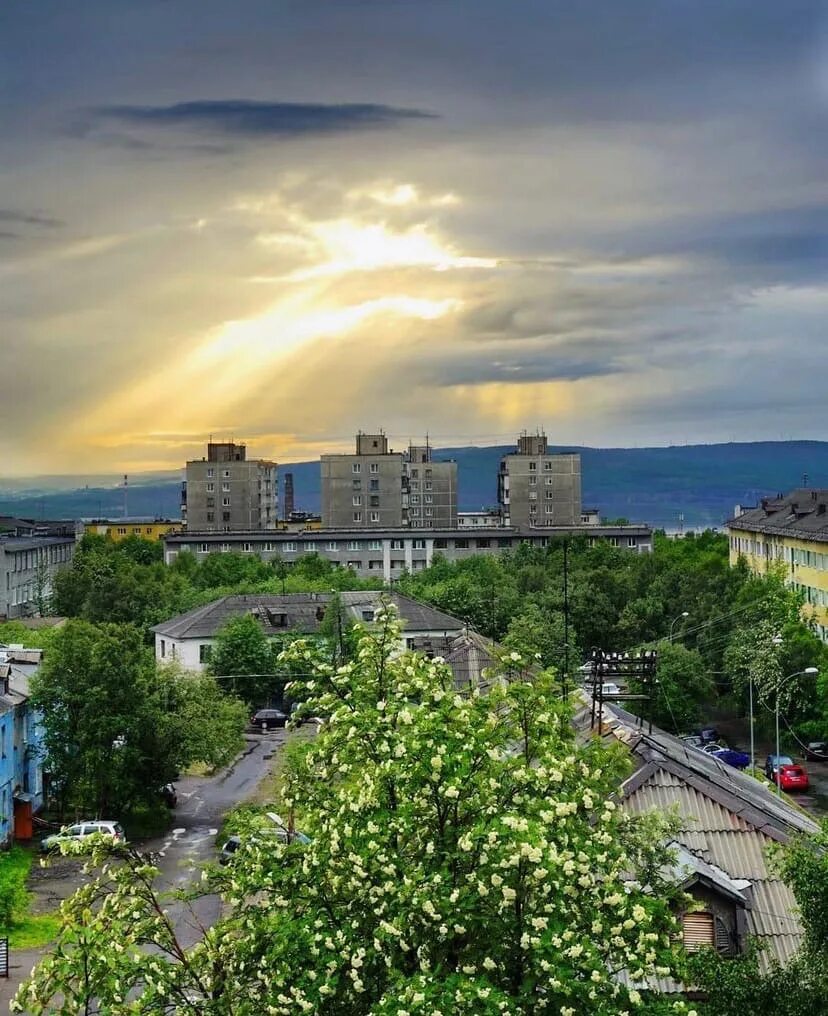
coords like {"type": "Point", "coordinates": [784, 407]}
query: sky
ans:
{"type": "Point", "coordinates": [283, 222]}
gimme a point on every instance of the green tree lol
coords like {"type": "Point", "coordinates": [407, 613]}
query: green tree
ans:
{"type": "Point", "coordinates": [683, 687]}
{"type": "Point", "coordinates": [116, 729]}
{"type": "Point", "coordinates": [464, 857]}
{"type": "Point", "coordinates": [243, 657]}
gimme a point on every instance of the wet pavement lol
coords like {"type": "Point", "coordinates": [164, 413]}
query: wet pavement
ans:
{"type": "Point", "coordinates": [203, 801]}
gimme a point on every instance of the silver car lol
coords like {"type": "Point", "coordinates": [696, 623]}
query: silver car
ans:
{"type": "Point", "coordinates": [80, 830]}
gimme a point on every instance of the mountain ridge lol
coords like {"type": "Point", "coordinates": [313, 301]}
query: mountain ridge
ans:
{"type": "Point", "coordinates": [655, 484]}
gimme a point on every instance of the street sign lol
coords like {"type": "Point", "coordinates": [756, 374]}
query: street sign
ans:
{"type": "Point", "coordinates": [4, 957]}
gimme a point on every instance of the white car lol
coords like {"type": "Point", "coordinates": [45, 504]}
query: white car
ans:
{"type": "Point", "coordinates": [609, 689]}
{"type": "Point", "coordinates": [80, 830]}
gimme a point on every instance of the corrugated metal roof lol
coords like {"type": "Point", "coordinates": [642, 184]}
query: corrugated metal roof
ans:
{"type": "Point", "coordinates": [740, 855]}
{"type": "Point", "coordinates": [699, 811]}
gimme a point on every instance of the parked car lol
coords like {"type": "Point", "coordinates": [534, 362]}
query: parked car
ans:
{"type": "Point", "coordinates": [232, 844]}
{"type": "Point", "coordinates": [81, 830]}
{"type": "Point", "coordinates": [692, 740]}
{"type": "Point", "coordinates": [817, 750]}
{"type": "Point", "coordinates": [169, 795]}
{"type": "Point", "coordinates": [266, 719]}
{"type": "Point", "coordinates": [708, 735]}
{"type": "Point", "coordinates": [792, 777]}
{"type": "Point", "coordinates": [730, 756]}
{"type": "Point", "coordinates": [772, 763]}
{"type": "Point", "coordinates": [610, 689]}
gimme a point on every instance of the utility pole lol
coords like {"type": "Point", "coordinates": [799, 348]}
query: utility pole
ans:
{"type": "Point", "coordinates": [565, 682]}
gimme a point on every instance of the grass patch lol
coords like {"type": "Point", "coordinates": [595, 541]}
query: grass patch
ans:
{"type": "Point", "coordinates": [23, 930]}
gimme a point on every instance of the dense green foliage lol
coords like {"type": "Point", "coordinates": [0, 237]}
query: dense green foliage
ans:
{"type": "Point", "coordinates": [127, 582]}
{"type": "Point", "coordinates": [620, 601]}
{"type": "Point", "coordinates": [116, 727]}
{"type": "Point", "coordinates": [465, 858]}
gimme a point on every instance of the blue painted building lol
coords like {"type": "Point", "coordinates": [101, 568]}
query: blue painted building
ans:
{"type": "Point", "coordinates": [21, 745]}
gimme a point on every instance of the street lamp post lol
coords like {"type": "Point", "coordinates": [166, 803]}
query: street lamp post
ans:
{"type": "Point", "coordinates": [682, 615]}
{"type": "Point", "coordinates": [777, 768]}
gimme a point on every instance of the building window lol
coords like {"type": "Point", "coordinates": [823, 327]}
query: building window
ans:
{"type": "Point", "coordinates": [163, 648]}
{"type": "Point", "coordinates": [122, 530]}
{"type": "Point", "coordinates": [357, 516]}
{"type": "Point", "coordinates": [205, 547]}
{"type": "Point", "coordinates": [204, 653]}
{"type": "Point", "coordinates": [225, 488]}
{"type": "Point", "coordinates": [356, 565]}
{"type": "Point", "coordinates": [532, 481]}
{"type": "Point", "coordinates": [225, 501]}
{"type": "Point", "coordinates": [415, 498]}
{"type": "Point", "coordinates": [356, 499]}
{"type": "Point", "coordinates": [428, 499]}
{"type": "Point", "coordinates": [356, 467]}
{"type": "Point", "coordinates": [533, 467]}
{"type": "Point", "coordinates": [429, 512]}
{"type": "Point", "coordinates": [210, 488]}
{"type": "Point", "coordinates": [415, 473]}
{"type": "Point", "coordinates": [440, 544]}
{"type": "Point", "coordinates": [225, 473]}
{"type": "Point", "coordinates": [461, 544]}
{"type": "Point", "coordinates": [247, 547]}
{"type": "Point", "coordinates": [374, 467]}
{"type": "Point", "coordinates": [373, 484]}
{"type": "Point", "coordinates": [210, 516]}
{"type": "Point", "coordinates": [428, 474]}
{"type": "Point", "coordinates": [397, 544]}
{"type": "Point", "coordinates": [375, 566]}
{"type": "Point", "coordinates": [503, 542]}
{"type": "Point", "coordinates": [225, 548]}
{"type": "Point", "coordinates": [332, 545]}
{"type": "Point", "coordinates": [483, 543]}
{"type": "Point", "coordinates": [290, 547]}
{"type": "Point", "coordinates": [374, 500]}
{"type": "Point", "coordinates": [211, 502]}
{"type": "Point", "coordinates": [354, 545]}
{"type": "Point", "coordinates": [630, 541]}
{"type": "Point", "coordinates": [211, 472]}
{"type": "Point", "coordinates": [356, 484]}
{"type": "Point", "coordinates": [375, 544]}
{"type": "Point", "coordinates": [225, 517]}
{"type": "Point", "coordinates": [375, 516]}
{"type": "Point", "coordinates": [419, 545]}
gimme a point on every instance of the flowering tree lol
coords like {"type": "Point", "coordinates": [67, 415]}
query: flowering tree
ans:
{"type": "Point", "coordinates": [465, 857]}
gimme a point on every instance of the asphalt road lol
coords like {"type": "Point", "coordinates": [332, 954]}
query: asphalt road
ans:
{"type": "Point", "coordinates": [202, 804]}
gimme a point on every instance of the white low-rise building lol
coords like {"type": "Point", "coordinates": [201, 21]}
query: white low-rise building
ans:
{"type": "Point", "coordinates": [189, 638]}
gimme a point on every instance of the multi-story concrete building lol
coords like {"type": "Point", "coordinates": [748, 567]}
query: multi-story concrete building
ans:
{"type": "Point", "coordinates": [377, 488]}
{"type": "Point", "coordinates": [27, 569]}
{"type": "Point", "coordinates": [385, 554]}
{"type": "Point", "coordinates": [537, 489]}
{"type": "Point", "coordinates": [227, 492]}
{"type": "Point", "coordinates": [431, 489]}
{"type": "Point", "coordinates": [363, 490]}
{"type": "Point", "coordinates": [788, 531]}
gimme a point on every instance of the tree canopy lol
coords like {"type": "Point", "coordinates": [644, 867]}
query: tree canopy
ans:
{"type": "Point", "coordinates": [463, 856]}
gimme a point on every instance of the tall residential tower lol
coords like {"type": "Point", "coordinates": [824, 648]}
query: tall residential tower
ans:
{"type": "Point", "coordinates": [227, 492]}
{"type": "Point", "coordinates": [539, 489]}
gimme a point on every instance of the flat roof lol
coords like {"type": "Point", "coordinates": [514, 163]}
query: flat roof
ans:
{"type": "Point", "coordinates": [417, 534]}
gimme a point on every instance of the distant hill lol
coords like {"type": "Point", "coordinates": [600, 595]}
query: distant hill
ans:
{"type": "Point", "coordinates": [653, 485]}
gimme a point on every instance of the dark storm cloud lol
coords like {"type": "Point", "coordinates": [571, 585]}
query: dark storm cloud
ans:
{"type": "Point", "coordinates": [28, 219]}
{"type": "Point", "coordinates": [247, 118]}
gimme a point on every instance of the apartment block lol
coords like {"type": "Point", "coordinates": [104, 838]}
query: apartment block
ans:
{"type": "Point", "coordinates": [789, 531]}
{"type": "Point", "coordinates": [431, 488]}
{"type": "Point", "coordinates": [227, 492]}
{"type": "Point", "coordinates": [27, 569]}
{"type": "Point", "coordinates": [539, 489]}
{"type": "Point", "coordinates": [363, 490]}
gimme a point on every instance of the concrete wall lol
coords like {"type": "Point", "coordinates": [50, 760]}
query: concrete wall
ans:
{"type": "Point", "coordinates": [432, 494]}
{"type": "Point", "coordinates": [540, 490]}
{"type": "Point", "coordinates": [231, 496]}
{"type": "Point", "coordinates": [26, 565]}
{"type": "Point", "coordinates": [362, 491]}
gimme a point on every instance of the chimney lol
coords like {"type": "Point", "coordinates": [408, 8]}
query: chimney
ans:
{"type": "Point", "coordinates": [288, 495]}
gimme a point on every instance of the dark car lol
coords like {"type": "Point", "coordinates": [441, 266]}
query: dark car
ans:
{"type": "Point", "coordinates": [266, 719]}
{"type": "Point", "coordinates": [817, 750]}
{"type": "Point", "coordinates": [708, 735]}
{"type": "Point", "coordinates": [281, 835]}
{"type": "Point", "coordinates": [169, 795]}
{"type": "Point", "coordinates": [773, 762]}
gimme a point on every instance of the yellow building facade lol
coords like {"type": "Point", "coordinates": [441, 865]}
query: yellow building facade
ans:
{"type": "Point", "coordinates": [147, 529]}
{"type": "Point", "coordinates": [791, 532]}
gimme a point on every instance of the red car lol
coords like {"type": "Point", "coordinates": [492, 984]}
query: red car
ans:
{"type": "Point", "coordinates": [793, 777]}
